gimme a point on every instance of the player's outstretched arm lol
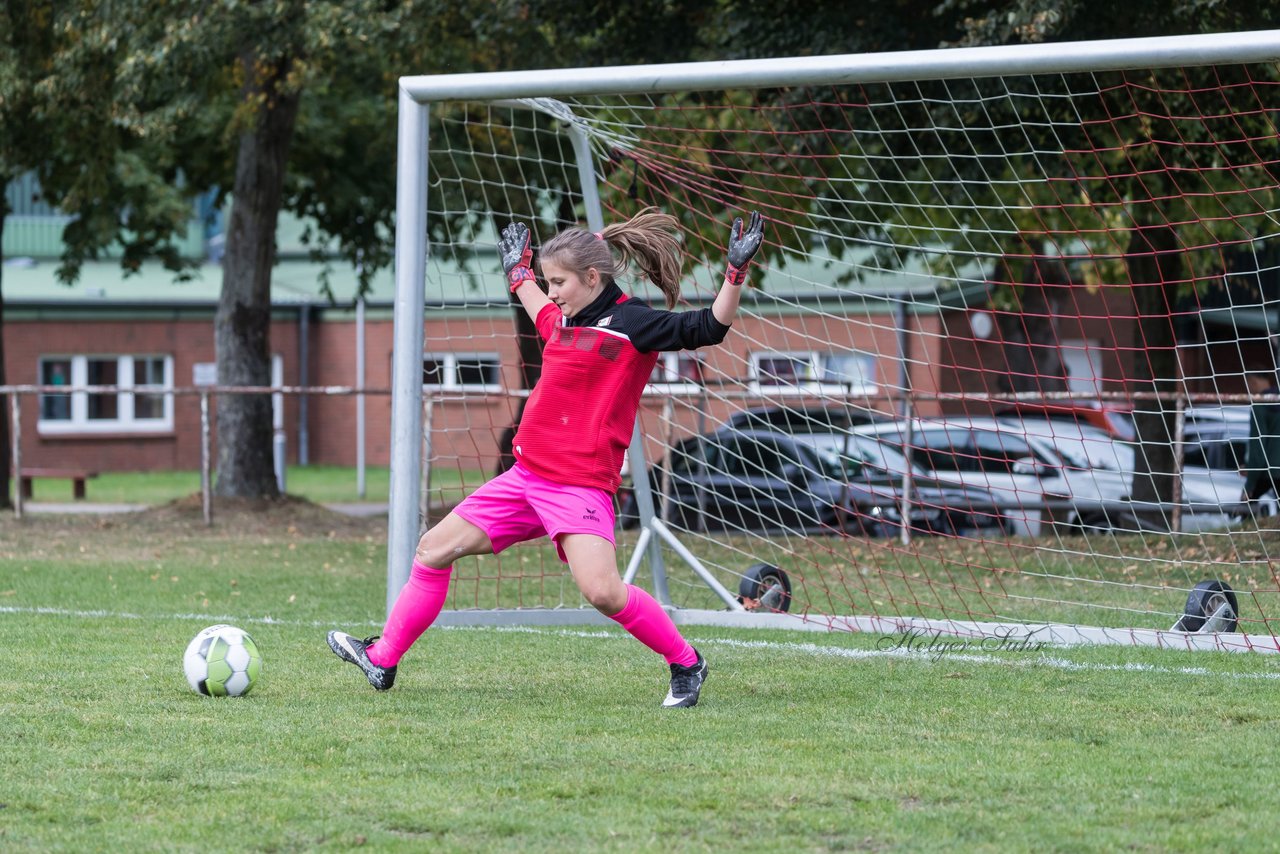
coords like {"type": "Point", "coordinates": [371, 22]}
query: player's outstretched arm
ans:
{"type": "Point", "coordinates": [517, 263]}
{"type": "Point", "coordinates": [743, 244]}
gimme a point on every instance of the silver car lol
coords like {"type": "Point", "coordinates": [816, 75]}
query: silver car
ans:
{"type": "Point", "coordinates": [1211, 478]}
{"type": "Point", "coordinates": [1033, 481]}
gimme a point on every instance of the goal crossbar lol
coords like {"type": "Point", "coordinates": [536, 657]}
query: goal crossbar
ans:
{"type": "Point", "coordinates": [889, 67]}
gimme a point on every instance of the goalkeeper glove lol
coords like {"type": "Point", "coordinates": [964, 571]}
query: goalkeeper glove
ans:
{"type": "Point", "coordinates": [516, 254]}
{"type": "Point", "coordinates": [742, 247]}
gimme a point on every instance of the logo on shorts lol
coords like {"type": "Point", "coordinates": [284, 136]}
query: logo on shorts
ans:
{"type": "Point", "coordinates": [590, 515]}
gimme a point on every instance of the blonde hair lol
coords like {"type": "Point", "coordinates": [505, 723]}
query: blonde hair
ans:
{"type": "Point", "coordinates": [649, 241]}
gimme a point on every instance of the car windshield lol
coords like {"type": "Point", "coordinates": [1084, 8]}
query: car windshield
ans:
{"type": "Point", "coordinates": [827, 462]}
{"type": "Point", "coordinates": [858, 452]}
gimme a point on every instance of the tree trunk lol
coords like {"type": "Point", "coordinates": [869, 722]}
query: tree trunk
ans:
{"type": "Point", "coordinates": [242, 331]}
{"type": "Point", "coordinates": [1032, 351]}
{"type": "Point", "coordinates": [1155, 268]}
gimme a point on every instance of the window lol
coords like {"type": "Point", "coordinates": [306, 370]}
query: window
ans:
{"type": "Point", "coordinates": [747, 458]}
{"type": "Point", "coordinates": [687, 456]}
{"type": "Point", "coordinates": [470, 371]}
{"type": "Point", "coordinates": [937, 450]}
{"type": "Point", "coordinates": [103, 372]}
{"type": "Point", "coordinates": [1222, 455]}
{"type": "Point", "coordinates": [136, 401]}
{"type": "Point", "coordinates": [148, 373]}
{"type": "Point", "coordinates": [996, 453]}
{"type": "Point", "coordinates": [55, 407]}
{"type": "Point", "coordinates": [676, 372]}
{"type": "Point", "coordinates": [827, 372]}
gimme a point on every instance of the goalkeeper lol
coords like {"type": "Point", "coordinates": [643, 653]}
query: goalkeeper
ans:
{"type": "Point", "coordinates": [600, 347]}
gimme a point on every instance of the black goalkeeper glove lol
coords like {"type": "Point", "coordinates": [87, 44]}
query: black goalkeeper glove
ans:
{"type": "Point", "coordinates": [742, 247]}
{"type": "Point", "coordinates": [516, 254]}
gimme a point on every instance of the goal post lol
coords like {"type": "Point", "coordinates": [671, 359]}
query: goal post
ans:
{"type": "Point", "coordinates": [955, 238]}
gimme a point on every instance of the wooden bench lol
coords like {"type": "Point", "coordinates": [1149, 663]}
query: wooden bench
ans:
{"type": "Point", "coordinates": [76, 476]}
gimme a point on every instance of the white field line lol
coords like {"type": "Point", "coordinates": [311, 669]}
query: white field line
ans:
{"type": "Point", "coordinates": [933, 652]}
{"type": "Point", "coordinates": [939, 653]}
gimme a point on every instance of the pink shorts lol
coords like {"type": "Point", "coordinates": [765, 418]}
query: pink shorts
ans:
{"type": "Point", "coordinates": [519, 505]}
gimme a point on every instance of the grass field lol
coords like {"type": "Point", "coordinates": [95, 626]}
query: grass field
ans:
{"type": "Point", "coordinates": [552, 739]}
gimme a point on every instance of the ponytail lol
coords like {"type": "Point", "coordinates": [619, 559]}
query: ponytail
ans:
{"type": "Point", "coordinates": [649, 242]}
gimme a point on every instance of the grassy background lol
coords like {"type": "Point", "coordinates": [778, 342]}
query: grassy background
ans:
{"type": "Point", "coordinates": [552, 739]}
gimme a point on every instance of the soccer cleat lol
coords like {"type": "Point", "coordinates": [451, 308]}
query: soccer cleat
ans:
{"type": "Point", "coordinates": [349, 648]}
{"type": "Point", "coordinates": [686, 684]}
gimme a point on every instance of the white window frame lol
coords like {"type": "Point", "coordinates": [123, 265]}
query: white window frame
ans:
{"type": "Point", "coordinates": [450, 362]}
{"type": "Point", "coordinates": [124, 422]}
{"type": "Point", "coordinates": [672, 382]}
{"type": "Point", "coordinates": [815, 362]}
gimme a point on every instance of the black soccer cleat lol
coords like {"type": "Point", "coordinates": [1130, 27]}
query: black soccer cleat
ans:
{"type": "Point", "coordinates": [686, 684]}
{"type": "Point", "coordinates": [349, 648]}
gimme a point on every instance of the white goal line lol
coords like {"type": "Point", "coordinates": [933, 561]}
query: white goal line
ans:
{"type": "Point", "coordinates": [1023, 634]}
{"type": "Point", "coordinates": [995, 636]}
{"type": "Point", "coordinates": [902, 650]}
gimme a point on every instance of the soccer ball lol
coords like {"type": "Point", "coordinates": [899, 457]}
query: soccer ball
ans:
{"type": "Point", "coordinates": [222, 661]}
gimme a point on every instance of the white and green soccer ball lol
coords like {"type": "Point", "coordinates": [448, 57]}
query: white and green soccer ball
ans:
{"type": "Point", "coordinates": [222, 661]}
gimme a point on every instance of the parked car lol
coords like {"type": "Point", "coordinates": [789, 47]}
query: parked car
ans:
{"type": "Point", "coordinates": [1030, 479]}
{"type": "Point", "coordinates": [766, 481]}
{"type": "Point", "coordinates": [1211, 478]}
{"type": "Point", "coordinates": [877, 462]}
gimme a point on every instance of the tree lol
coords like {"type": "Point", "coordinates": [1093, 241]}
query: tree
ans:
{"type": "Point", "coordinates": [287, 106]}
{"type": "Point", "coordinates": [305, 95]}
{"type": "Point", "coordinates": [69, 114]}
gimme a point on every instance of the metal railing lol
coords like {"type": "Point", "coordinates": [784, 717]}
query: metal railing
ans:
{"type": "Point", "coordinates": [693, 400]}
{"type": "Point", "coordinates": [205, 392]}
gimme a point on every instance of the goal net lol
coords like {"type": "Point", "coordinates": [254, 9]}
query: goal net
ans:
{"type": "Point", "coordinates": [1005, 366]}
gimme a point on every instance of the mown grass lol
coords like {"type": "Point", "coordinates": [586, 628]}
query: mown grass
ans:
{"type": "Point", "coordinates": [551, 740]}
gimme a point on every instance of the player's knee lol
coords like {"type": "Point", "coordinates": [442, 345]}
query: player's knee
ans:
{"type": "Point", "coordinates": [449, 540]}
{"type": "Point", "coordinates": [607, 598]}
{"type": "Point", "coordinates": [434, 549]}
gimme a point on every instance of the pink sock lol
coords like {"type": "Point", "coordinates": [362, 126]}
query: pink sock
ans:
{"type": "Point", "coordinates": [652, 626]}
{"type": "Point", "coordinates": [416, 608]}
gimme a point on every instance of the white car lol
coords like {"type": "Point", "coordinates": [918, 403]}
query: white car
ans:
{"type": "Point", "coordinates": [1211, 482]}
{"type": "Point", "coordinates": [1028, 475]}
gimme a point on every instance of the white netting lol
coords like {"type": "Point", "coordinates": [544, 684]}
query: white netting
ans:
{"type": "Point", "coordinates": [1067, 281]}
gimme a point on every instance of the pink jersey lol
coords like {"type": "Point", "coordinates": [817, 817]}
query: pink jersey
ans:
{"type": "Point", "coordinates": [581, 415]}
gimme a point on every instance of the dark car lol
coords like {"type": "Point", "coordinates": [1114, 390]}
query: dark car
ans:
{"type": "Point", "coordinates": [763, 480]}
